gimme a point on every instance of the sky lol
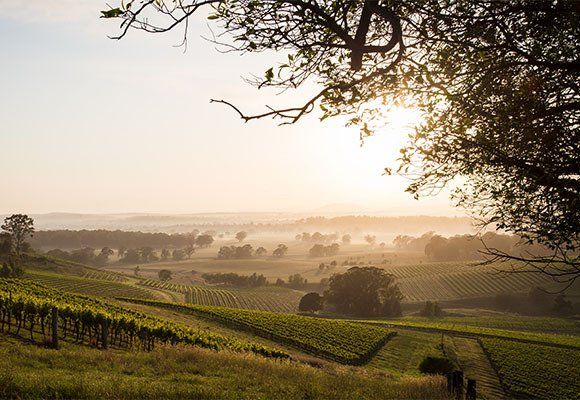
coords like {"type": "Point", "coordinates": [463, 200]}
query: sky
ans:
{"type": "Point", "coordinates": [93, 125]}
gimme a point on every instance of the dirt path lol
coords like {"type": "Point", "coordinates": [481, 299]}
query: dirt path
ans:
{"type": "Point", "coordinates": [476, 366]}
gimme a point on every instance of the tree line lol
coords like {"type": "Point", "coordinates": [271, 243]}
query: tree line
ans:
{"type": "Point", "coordinates": [72, 239]}
{"type": "Point", "coordinates": [464, 247]}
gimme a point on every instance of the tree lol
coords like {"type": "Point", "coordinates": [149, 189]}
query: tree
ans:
{"type": "Point", "coordinates": [431, 310]}
{"type": "Point", "coordinates": [164, 274]}
{"type": "Point", "coordinates": [260, 251]}
{"type": "Point", "coordinates": [204, 240]}
{"type": "Point", "coordinates": [496, 81]}
{"type": "Point", "coordinates": [103, 257]}
{"type": "Point", "coordinates": [320, 250]}
{"type": "Point", "coordinates": [241, 235]}
{"type": "Point", "coordinates": [165, 254]}
{"type": "Point", "coordinates": [364, 291]}
{"type": "Point", "coordinates": [178, 255]}
{"type": "Point", "coordinates": [136, 270]}
{"type": "Point", "coordinates": [5, 243]}
{"type": "Point", "coordinates": [121, 251]}
{"type": "Point", "coordinates": [346, 239]}
{"type": "Point", "coordinates": [562, 306]}
{"type": "Point", "coordinates": [19, 227]}
{"type": "Point", "coordinates": [189, 250]}
{"type": "Point", "coordinates": [310, 302]}
{"type": "Point", "coordinates": [147, 254]}
{"type": "Point", "coordinates": [297, 281]}
{"type": "Point", "coordinates": [280, 251]}
{"type": "Point", "coordinates": [131, 256]}
{"type": "Point", "coordinates": [371, 239]}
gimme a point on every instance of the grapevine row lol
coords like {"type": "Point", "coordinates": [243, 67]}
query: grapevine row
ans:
{"type": "Point", "coordinates": [25, 305]}
{"type": "Point", "coordinates": [345, 342]}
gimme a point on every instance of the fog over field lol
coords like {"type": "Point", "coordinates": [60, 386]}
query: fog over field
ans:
{"type": "Point", "coordinates": [290, 199]}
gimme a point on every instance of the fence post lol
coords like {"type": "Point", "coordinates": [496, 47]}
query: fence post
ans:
{"type": "Point", "coordinates": [471, 392]}
{"type": "Point", "coordinates": [449, 377]}
{"type": "Point", "coordinates": [458, 384]}
{"type": "Point", "coordinates": [105, 333]}
{"type": "Point", "coordinates": [54, 327]}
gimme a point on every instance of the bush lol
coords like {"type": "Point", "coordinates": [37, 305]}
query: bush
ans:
{"type": "Point", "coordinates": [436, 366]}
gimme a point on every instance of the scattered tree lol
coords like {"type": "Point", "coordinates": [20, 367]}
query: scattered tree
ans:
{"type": "Point", "coordinates": [346, 239]}
{"type": "Point", "coordinates": [280, 251]}
{"type": "Point", "coordinates": [241, 235]}
{"type": "Point", "coordinates": [297, 281]}
{"type": "Point", "coordinates": [431, 310]}
{"type": "Point", "coordinates": [19, 227]}
{"type": "Point", "coordinates": [164, 275]}
{"type": "Point", "coordinates": [320, 250]}
{"type": "Point", "coordinates": [178, 255]}
{"type": "Point", "coordinates": [371, 239]}
{"type": "Point", "coordinates": [204, 240]}
{"type": "Point", "coordinates": [310, 302]}
{"type": "Point", "coordinates": [235, 252]}
{"type": "Point", "coordinates": [260, 251]}
{"type": "Point", "coordinates": [364, 291]}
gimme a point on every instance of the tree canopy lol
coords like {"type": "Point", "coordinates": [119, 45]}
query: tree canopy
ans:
{"type": "Point", "coordinates": [496, 81]}
{"type": "Point", "coordinates": [364, 291]}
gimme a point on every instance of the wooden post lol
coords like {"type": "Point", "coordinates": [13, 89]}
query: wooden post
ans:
{"type": "Point", "coordinates": [54, 327]}
{"type": "Point", "coordinates": [471, 392]}
{"type": "Point", "coordinates": [105, 333]}
{"type": "Point", "coordinates": [449, 377]}
{"type": "Point", "coordinates": [458, 384]}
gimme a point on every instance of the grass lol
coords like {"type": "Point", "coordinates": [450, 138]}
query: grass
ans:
{"type": "Point", "coordinates": [31, 372]}
{"type": "Point", "coordinates": [404, 352]}
{"type": "Point", "coordinates": [535, 371]}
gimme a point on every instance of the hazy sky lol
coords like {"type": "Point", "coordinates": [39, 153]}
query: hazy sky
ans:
{"type": "Point", "coordinates": [89, 124]}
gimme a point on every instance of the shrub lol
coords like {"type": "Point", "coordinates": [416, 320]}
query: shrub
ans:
{"type": "Point", "coordinates": [436, 365]}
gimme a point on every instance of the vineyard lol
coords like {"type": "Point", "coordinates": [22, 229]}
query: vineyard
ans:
{"type": "Point", "coordinates": [447, 281]}
{"type": "Point", "coordinates": [104, 276]}
{"type": "Point", "coordinates": [265, 298]}
{"type": "Point", "coordinates": [25, 305]}
{"type": "Point", "coordinates": [563, 340]}
{"type": "Point", "coordinates": [89, 286]}
{"type": "Point", "coordinates": [535, 371]}
{"type": "Point", "coordinates": [341, 341]}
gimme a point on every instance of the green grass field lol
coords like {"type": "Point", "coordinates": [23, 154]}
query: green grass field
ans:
{"type": "Point", "coordinates": [31, 372]}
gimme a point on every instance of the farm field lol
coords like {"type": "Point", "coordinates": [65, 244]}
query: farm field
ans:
{"type": "Point", "coordinates": [566, 340]}
{"type": "Point", "coordinates": [26, 305]}
{"type": "Point", "coordinates": [89, 286]}
{"type": "Point", "coordinates": [418, 281]}
{"type": "Point", "coordinates": [513, 322]}
{"type": "Point", "coordinates": [535, 371]}
{"type": "Point", "coordinates": [345, 342]}
{"type": "Point", "coordinates": [265, 298]}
